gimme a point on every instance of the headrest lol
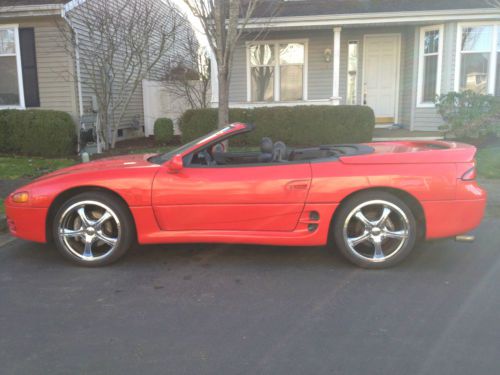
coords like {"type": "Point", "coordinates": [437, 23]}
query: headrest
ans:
{"type": "Point", "coordinates": [266, 145]}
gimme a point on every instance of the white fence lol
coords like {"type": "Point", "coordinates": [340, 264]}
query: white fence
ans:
{"type": "Point", "coordinates": [160, 102]}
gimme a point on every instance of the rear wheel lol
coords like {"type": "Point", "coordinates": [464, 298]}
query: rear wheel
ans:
{"type": "Point", "coordinates": [374, 229]}
{"type": "Point", "coordinates": [93, 229]}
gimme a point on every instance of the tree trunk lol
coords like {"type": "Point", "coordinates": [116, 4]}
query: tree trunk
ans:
{"type": "Point", "coordinates": [223, 115]}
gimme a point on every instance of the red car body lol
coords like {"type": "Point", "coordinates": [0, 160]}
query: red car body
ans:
{"type": "Point", "coordinates": [263, 204]}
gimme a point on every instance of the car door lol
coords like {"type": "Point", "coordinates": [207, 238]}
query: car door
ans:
{"type": "Point", "coordinates": [268, 197]}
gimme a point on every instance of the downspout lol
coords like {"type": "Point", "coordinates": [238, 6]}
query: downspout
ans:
{"type": "Point", "coordinates": [77, 58]}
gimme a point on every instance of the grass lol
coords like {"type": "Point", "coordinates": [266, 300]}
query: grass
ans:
{"type": "Point", "coordinates": [488, 162]}
{"type": "Point", "coordinates": [15, 167]}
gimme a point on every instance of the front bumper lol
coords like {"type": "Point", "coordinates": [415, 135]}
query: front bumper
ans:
{"type": "Point", "coordinates": [28, 223]}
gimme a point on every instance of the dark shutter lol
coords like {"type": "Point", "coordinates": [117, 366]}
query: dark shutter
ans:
{"type": "Point", "coordinates": [28, 62]}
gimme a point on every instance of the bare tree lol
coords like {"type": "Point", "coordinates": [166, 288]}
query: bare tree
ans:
{"type": "Point", "coordinates": [187, 75]}
{"type": "Point", "coordinates": [119, 43]}
{"type": "Point", "coordinates": [223, 22]}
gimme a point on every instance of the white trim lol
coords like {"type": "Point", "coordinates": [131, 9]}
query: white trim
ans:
{"type": "Point", "coordinates": [331, 101]}
{"type": "Point", "coordinates": [336, 61]}
{"type": "Point", "coordinates": [275, 43]}
{"type": "Point", "coordinates": [421, 57]}
{"type": "Point", "coordinates": [398, 70]}
{"type": "Point", "coordinates": [19, 67]}
{"type": "Point", "coordinates": [73, 4]}
{"type": "Point", "coordinates": [437, 16]}
{"type": "Point", "coordinates": [493, 51]}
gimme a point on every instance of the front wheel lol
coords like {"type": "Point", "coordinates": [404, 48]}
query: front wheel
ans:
{"type": "Point", "coordinates": [374, 229]}
{"type": "Point", "coordinates": [93, 229]}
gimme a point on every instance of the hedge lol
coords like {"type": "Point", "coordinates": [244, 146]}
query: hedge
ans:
{"type": "Point", "coordinates": [37, 133]}
{"type": "Point", "coordinates": [296, 126]}
{"type": "Point", "coordinates": [164, 130]}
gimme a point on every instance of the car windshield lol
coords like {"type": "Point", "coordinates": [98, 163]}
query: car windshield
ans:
{"type": "Point", "coordinates": [162, 158]}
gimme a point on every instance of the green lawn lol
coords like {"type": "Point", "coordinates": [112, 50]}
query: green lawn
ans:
{"type": "Point", "coordinates": [14, 167]}
{"type": "Point", "coordinates": [488, 162]}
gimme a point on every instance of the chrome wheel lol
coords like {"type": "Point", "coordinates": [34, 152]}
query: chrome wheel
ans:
{"type": "Point", "coordinates": [376, 230]}
{"type": "Point", "coordinates": [89, 230]}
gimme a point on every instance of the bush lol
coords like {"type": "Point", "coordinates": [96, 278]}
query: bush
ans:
{"type": "Point", "coordinates": [468, 114]}
{"type": "Point", "coordinates": [296, 126]}
{"type": "Point", "coordinates": [164, 130]}
{"type": "Point", "coordinates": [37, 133]}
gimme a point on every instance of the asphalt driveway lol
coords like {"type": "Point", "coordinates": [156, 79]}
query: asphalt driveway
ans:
{"type": "Point", "coordinates": [219, 309]}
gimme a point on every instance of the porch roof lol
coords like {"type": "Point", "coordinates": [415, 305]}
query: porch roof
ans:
{"type": "Point", "coordinates": [297, 8]}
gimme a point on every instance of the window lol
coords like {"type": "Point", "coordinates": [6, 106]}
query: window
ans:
{"type": "Point", "coordinates": [352, 73]}
{"type": "Point", "coordinates": [430, 65]}
{"type": "Point", "coordinates": [18, 69]}
{"type": "Point", "coordinates": [262, 61]}
{"type": "Point", "coordinates": [276, 71]}
{"type": "Point", "coordinates": [478, 67]}
{"type": "Point", "coordinates": [10, 85]}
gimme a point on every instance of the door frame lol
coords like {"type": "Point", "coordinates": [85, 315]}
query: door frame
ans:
{"type": "Point", "coordinates": [398, 68]}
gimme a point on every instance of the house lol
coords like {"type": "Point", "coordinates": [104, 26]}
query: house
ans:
{"type": "Point", "coordinates": [394, 56]}
{"type": "Point", "coordinates": [38, 70]}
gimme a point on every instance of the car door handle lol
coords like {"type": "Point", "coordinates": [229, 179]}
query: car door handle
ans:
{"type": "Point", "coordinates": [297, 185]}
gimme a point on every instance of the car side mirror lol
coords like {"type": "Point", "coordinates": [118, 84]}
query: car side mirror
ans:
{"type": "Point", "coordinates": [175, 164]}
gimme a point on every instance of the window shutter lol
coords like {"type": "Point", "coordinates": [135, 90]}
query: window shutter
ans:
{"type": "Point", "coordinates": [28, 62]}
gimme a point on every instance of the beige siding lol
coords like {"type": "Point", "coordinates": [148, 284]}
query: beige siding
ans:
{"type": "Point", "coordinates": [56, 75]}
{"type": "Point", "coordinates": [54, 65]}
{"type": "Point", "coordinates": [135, 111]}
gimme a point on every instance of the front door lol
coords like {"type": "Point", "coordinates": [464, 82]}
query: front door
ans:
{"type": "Point", "coordinates": [241, 198]}
{"type": "Point", "coordinates": [381, 75]}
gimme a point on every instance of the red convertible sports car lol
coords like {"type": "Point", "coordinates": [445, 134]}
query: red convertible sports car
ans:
{"type": "Point", "coordinates": [372, 201]}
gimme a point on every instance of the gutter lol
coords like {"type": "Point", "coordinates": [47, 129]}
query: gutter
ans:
{"type": "Point", "coordinates": [77, 58]}
{"type": "Point", "coordinates": [375, 18]}
{"type": "Point", "coordinates": [30, 10]}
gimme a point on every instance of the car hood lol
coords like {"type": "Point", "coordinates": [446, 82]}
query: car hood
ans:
{"type": "Point", "coordinates": [112, 163]}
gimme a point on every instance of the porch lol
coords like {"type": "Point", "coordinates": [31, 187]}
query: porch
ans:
{"type": "Point", "coordinates": [397, 67]}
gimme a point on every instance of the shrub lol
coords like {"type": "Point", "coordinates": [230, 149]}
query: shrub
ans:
{"type": "Point", "coordinates": [468, 114]}
{"type": "Point", "coordinates": [297, 126]}
{"type": "Point", "coordinates": [164, 130]}
{"type": "Point", "coordinates": [37, 133]}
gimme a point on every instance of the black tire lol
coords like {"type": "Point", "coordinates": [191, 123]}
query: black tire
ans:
{"type": "Point", "coordinates": [348, 229]}
{"type": "Point", "coordinates": [120, 227]}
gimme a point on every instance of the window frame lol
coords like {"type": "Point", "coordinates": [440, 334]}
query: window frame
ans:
{"type": "Point", "coordinates": [19, 67]}
{"type": "Point", "coordinates": [421, 64]}
{"type": "Point", "coordinates": [277, 71]}
{"type": "Point", "coordinates": [494, 51]}
{"type": "Point", "coordinates": [356, 86]}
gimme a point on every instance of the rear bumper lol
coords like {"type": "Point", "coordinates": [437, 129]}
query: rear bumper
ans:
{"type": "Point", "coordinates": [27, 223]}
{"type": "Point", "coordinates": [454, 217]}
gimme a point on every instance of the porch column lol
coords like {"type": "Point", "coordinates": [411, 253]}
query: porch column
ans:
{"type": "Point", "coordinates": [336, 66]}
{"type": "Point", "coordinates": [214, 81]}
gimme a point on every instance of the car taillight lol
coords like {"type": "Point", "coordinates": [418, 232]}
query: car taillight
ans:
{"type": "Point", "coordinates": [470, 174]}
